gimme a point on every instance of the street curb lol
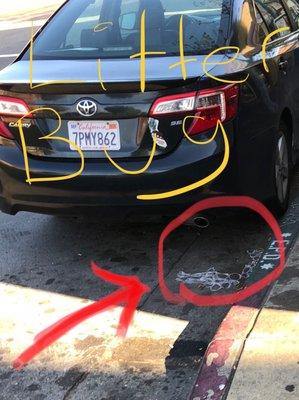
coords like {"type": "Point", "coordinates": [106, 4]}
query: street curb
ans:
{"type": "Point", "coordinates": [224, 351]}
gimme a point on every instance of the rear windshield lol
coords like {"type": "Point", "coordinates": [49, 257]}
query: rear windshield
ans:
{"type": "Point", "coordinates": [91, 29]}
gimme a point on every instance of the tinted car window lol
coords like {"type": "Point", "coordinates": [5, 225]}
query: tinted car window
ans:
{"type": "Point", "coordinates": [293, 6]}
{"type": "Point", "coordinates": [75, 31]}
{"type": "Point", "coordinates": [274, 14]}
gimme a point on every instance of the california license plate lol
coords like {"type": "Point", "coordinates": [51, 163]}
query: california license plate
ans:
{"type": "Point", "coordinates": [94, 135]}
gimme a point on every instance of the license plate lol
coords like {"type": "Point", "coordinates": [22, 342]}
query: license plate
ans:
{"type": "Point", "coordinates": [94, 135]}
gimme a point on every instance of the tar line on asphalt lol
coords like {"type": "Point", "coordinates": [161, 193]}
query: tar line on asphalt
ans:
{"type": "Point", "coordinates": [223, 353]}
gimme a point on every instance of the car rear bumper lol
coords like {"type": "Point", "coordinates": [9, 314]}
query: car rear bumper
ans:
{"type": "Point", "coordinates": [102, 185]}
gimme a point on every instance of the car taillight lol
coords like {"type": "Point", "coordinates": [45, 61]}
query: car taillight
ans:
{"type": "Point", "coordinates": [10, 106]}
{"type": "Point", "coordinates": [208, 106]}
{"type": "Point", "coordinates": [173, 104]}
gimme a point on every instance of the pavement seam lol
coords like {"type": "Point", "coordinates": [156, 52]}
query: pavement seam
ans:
{"type": "Point", "coordinates": [142, 304]}
{"type": "Point", "coordinates": [80, 379]}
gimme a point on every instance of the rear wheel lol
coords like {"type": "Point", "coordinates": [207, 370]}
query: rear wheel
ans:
{"type": "Point", "coordinates": [281, 172]}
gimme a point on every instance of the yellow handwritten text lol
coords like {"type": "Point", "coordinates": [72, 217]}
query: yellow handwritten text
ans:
{"type": "Point", "coordinates": [53, 82]}
{"type": "Point", "coordinates": [48, 137]}
{"type": "Point", "coordinates": [183, 61]}
{"type": "Point", "coordinates": [200, 142]}
{"type": "Point", "coordinates": [198, 184]}
{"type": "Point", "coordinates": [100, 76]}
{"type": "Point", "coordinates": [230, 60]}
{"type": "Point", "coordinates": [140, 171]}
{"type": "Point", "coordinates": [102, 26]}
{"type": "Point", "coordinates": [265, 43]}
{"type": "Point", "coordinates": [143, 53]}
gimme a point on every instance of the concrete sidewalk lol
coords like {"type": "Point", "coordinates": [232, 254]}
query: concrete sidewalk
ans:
{"type": "Point", "coordinates": [269, 364]}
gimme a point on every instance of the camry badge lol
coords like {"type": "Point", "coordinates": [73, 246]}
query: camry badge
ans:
{"type": "Point", "coordinates": [87, 108]}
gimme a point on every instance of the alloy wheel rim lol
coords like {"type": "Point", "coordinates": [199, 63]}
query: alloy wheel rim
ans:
{"type": "Point", "coordinates": [282, 169]}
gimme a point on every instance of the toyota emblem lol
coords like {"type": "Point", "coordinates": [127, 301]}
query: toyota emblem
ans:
{"type": "Point", "coordinates": [87, 108]}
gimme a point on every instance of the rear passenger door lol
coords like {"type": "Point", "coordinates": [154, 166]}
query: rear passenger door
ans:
{"type": "Point", "coordinates": [285, 49]}
{"type": "Point", "coordinates": [292, 7]}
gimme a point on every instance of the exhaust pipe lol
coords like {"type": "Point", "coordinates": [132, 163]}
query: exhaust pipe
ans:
{"type": "Point", "coordinates": [198, 222]}
{"type": "Point", "coordinates": [201, 222]}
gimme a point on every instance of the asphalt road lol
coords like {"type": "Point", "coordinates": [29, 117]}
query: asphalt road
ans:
{"type": "Point", "coordinates": [45, 274]}
{"type": "Point", "coordinates": [12, 42]}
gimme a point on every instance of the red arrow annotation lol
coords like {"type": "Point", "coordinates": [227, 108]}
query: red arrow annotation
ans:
{"type": "Point", "coordinates": [130, 293]}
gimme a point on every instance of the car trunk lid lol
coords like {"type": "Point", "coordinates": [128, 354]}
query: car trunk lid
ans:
{"type": "Point", "coordinates": [56, 85]}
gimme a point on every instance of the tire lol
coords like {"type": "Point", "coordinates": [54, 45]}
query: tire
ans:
{"type": "Point", "coordinates": [281, 172]}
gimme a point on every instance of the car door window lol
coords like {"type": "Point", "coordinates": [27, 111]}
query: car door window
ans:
{"type": "Point", "coordinates": [274, 14]}
{"type": "Point", "coordinates": [293, 6]}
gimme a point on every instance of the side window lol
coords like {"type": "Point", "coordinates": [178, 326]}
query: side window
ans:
{"type": "Point", "coordinates": [293, 6]}
{"type": "Point", "coordinates": [274, 14]}
{"type": "Point", "coordinates": [84, 25]}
